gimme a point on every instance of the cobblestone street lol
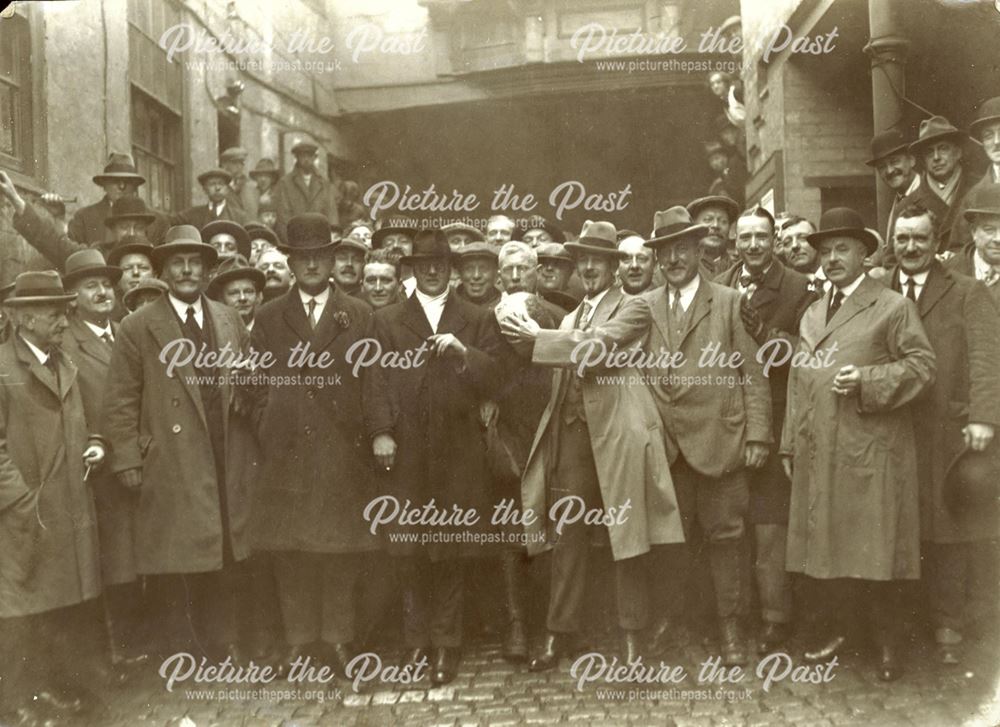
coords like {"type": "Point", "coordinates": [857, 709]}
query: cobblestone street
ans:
{"type": "Point", "coordinates": [489, 691]}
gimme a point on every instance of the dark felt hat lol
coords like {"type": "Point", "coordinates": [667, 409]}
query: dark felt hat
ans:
{"type": "Point", "coordinates": [38, 288]}
{"type": "Point", "coordinates": [988, 113]}
{"type": "Point", "coordinates": [887, 143]}
{"type": "Point", "coordinates": [428, 244]}
{"type": "Point", "coordinates": [129, 208]}
{"type": "Point", "coordinates": [843, 222]}
{"type": "Point", "coordinates": [120, 168]}
{"type": "Point", "coordinates": [972, 480]}
{"type": "Point", "coordinates": [716, 200]}
{"type": "Point", "coordinates": [130, 245]}
{"type": "Point", "coordinates": [673, 224]}
{"type": "Point", "coordinates": [214, 172]}
{"type": "Point", "coordinates": [234, 268]}
{"type": "Point", "coordinates": [984, 200]}
{"type": "Point", "coordinates": [381, 233]}
{"type": "Point", "coordinates": [144, 285]}
{"type": "Point", "coordinates": [88, 263]}
{"type": "Point", "coordinates": [228, 227]}
{"type": "Point", "coordinates": [308, 231]}
{"type": "Point", "coordinates": [183, 238]}
{"type": "Point", "coordinates": [596, 237]}
{"type": "Point", "coordinates": [934, 129]}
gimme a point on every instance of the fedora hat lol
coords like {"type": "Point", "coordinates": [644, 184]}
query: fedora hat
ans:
{"type": "Point", "coordinates": [6, 291]}
{"type": "Point", "coordinates": [38, 288]}
{"type": "Point", "coordinates": [972, 480]}
{"type": "Point", "coordinates": [234, 153]}
{"type": "Point", "coordinates": [120, 167]}
{"type": "Point", "coordinates": [673, 224]}
{"type": "Point", "coordinates": [843, 222]}
{"type": "Point", "coordinates": [88, 263]}
{"type": "Point", "coordinates": [988, 113]}
{"type": "Point", "coordinates": [478, 250]}
{"type": "Point", "coordinates": [308, 231]}
{"type": "Point", "coordinates": [984, 200]}
{"type": "Point", "coordinates": [129, 245]}
{"type": "Point", "coordinates": [234, 268]}
{"type": "Point", "coordinates": [214, 172]}
{"type": "Point", "coordinates": [145, 285]}
{"type": "Point", "coordinates": [596, 236]}
{"type": "Point", "coordinates": [887, 143]}
{"type": "Point", "coordinates": [937, 128]}
{"type": "Point", "coordinates": [714, 200]}
{"type": "Point", "coordinates": [453, 227]}
{"type": "Point", "coordinates": [428, 244]}
{"type": "Point", "coordinates": [228, 227]}
{"type": "Point", "coordinates": [183, 238]}
{"type": "Point", "coordinates": [260, 231]}
{"type": "Point", "coordinates": [553, 251]}
{"type": "Point", "coordinates": [304, 146]}
{"type": "Point", "coordinates": [265, 168]}
{"type": "Point", "coordinates": [381, 233]}
{"type": "Point", "coordinates": [129, 208]}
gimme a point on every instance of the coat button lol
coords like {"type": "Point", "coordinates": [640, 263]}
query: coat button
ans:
{"type": "Point", "coordinates": [311, 394]}
{"type": "Point", "coordinates": [176, 429]}
{"type": "Point", "coordinates": [308, 430]}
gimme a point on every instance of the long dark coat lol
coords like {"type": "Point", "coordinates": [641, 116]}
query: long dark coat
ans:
{"type": "Point", "coordinates": [48, 527]}
{"type": "Point", "coordinates": [157, 423]}
{"type": "Point", "coordinates": [855, 504]}
{"type": "Point", "coordinates": [963, 327]}
{"type": "Point", "coordinates": [200, 215]}
{"type": "Point", "coordinates": [115, 504]}
{"type": "Point", "coordinates": [318, 472]}
{"type": "Point", "coordinates": [87, 225]}
{"type": "Point", "coordinates": [780, 300]}
{"type": "Point", "coordinates": [963, 263]}
{"type": "Point", "coordinates": [432, 412]}
{"type": "Point", "coordinates": [292, 197]}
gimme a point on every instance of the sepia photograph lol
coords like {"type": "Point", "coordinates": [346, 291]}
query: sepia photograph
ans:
{"type": "Point", "coordinates": [483, 363]}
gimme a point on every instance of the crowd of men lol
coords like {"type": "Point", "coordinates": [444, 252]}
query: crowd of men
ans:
{"type": "Point", "coordinates": [153, 502]}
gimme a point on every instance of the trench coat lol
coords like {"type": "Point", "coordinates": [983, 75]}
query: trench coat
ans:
{"type": "Point", "coordinates": [432, 412]}
{"type": "Point", "coordinates": [318, 471]}
{"type": "Point", "coordinates": [292, 197]}
{"type": "Point", "coordinates": [626, 435]}
{"type": "Point", "coordinates": [115, 504]}
{"type": "Point", "coordinates": [963, 327]}
{"type": "Point", "coordinates": [855, 505]}
{"type": "Point", "coordinates": [48, 527]}
{"type": "Point", "coordinates": [157, 423]}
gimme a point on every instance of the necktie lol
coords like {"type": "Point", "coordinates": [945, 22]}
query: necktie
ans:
{"type": "Point", "coordinates": [106, 337]}
{"type": "Point", "coordinates": [992, 276]}
{"type": "Point", "coordinates": [675, 306]}
{"type": "Point", "coordinates": [190, 319]}
{"type": "Point", "coordinates": [835, 301]}
{"type": "Point", "coordinates": [312, 313]}
{"type": "Point", "coordinates": [52, 365]}
{"type": "Point", "coordinates": [583, 323]}
{"type": "Point", "coordinates": [911, 289]}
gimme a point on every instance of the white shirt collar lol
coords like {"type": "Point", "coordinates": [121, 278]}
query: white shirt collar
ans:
{"type": "Point", "coordinates": [320, 298]}
{"type": "Point", "coordinates": [595, 301]}
{"type": "Point", "coordinates": [981, 266]}
{"type": "Point", "coordinates": [181, 307]}
{"type": "Point", "coordinates": [98, 331]}
{"type": "Point", "coordinates": [850, 288]}
{"type": "Point", "coordinates": [433, 306]}
{"type": "Point", "coordinates": [687, 292]}
{"type": "Point", "coordinates": [41, 355]}
{"type": "Point", "coordinates": [914, 185]}
{"type": "Point", "coordinates": [919, 278]}
{"type": "Point", "coordinates": [409, 285]}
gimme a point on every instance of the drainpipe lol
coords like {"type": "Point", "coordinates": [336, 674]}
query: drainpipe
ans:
{"type": "Point", "coordinates": [887, 49]}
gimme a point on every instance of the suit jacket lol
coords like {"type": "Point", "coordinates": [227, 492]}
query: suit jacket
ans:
{"type": "Point", "coordinates": [87, 225]}
{"type": "Point", "coordinates": [923, 196]}
{"type": "Point", "coordinates": [626, 436]}
{"type": "Point", "coordinates": [157, 422]}
{"type": "Point", "coordinates": [245, 199]}
{"type": "Point", "coordinates": [962, 262]}
{"type": "Point", "coordinates": [430, 406]}
{"type": "Point", "coordinates": [292, 197]}
{"type": "Point", "coordinates": [200, 215]}
{"type": "Point", "coordinates": [48, 528]}
{"type": "Point", "coordinates": [318, 472]}
{"type": "Point", "coordinates": [951, 230]}
{"type": "Point", "coordinates": [963, 327]}
{"type": "Point", "coordinates": [855, 503]}
{"type": "Point", "coordinates": [961, 233]}
{"type": "Point", "coordinates": [709, 412]}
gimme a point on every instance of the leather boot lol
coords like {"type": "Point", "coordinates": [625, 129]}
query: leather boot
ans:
{"type": "Point", "coordinates": [515, 643]}
{"type": "Point", "coordinates": [734, 651]}
{"type": "Point", "coordinates": [552, 650]}
{"type": "Point", "coordinates": [446, 662]}
{"type": "Point", "coordinates": [630, 650]}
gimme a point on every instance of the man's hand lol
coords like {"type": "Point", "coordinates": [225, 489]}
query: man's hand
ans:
{"type": "Point", "coordinates": [847, 381]}
{"type": "Point", "coordinates": [978, 436]}
{"type": "Point", "coordinates": [131, 479]}
{"type": "Point", "coordinates": [755, 455]}
{"type": "Point", "coordinates": [752, 321]}
{"type": "Point", "coordinates": [9, 191]}
{"type": "Point", "coordinates": [384, 449]}
{"type": "Point", "coordinates": [94, 455]}
{"type": "Point", "coordinates": [519, 328]}
{"type": "Point", "coordinates": [786, 464]}
{"type": "Point", "coordinates": [488, 412]}
{"type": "Point", "coordinates": [446, 344]}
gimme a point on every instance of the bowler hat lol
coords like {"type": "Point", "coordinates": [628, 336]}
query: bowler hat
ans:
{"type": "Point", "coordinates": [144, 285]}
{"type": "Point", "coordinates": [427, 245]}
{"type": "Point", "coordinates": [214, 172]}
{"type": "Point", "coordinates": [984, 200]}
{"type": "Point", "coordinates": [454, 227]}
{"type": "Point", "coordinates": [88, 263]}
{"type": "Point", "coordinates": [129, 245]}
{"type": "Point", "coordinates": [38, 288]}
{"type": "Point", "coordinates": [843, 222]}
{"type": "Point", "coordinates": [304, 146]}
{"type": "Point", "coordinates": [934, 129]}
{"type": "Point", "coordinates": [234, 153]}
{"type": "Point", "coordinates": [887, 143]}
{"type": "Point", "coordinates": [988, 113]}
{"type": "Point", "coordinates": [972, 480]}
{"type": "Point", "coordinates": [477, 250]}
{"type": "Point", "coordinates": [381, 233]}
{"type": "Point", "coordinates": [129, 208]}
{"type": "Point", "coordinates": [265, 168]}
{"type": "Point", "coordinates": [673, 224]}
{"type": "Point", "coordinates": [228, 227]}
{"type": "Point", "coordinates": [714, 200]}
{"type": "Point", "coordinates": [596, 236]}
{"type": "Point", "coordinates": [234, 268]}
{"type": "Point", "coordinates": [309, 231]}
{"type": "Point", "coordinates": [553, 251]}
{"type": "Point", "coordinates": [183, 238]}
{"type": "Point", "coordinates": [120, 167]}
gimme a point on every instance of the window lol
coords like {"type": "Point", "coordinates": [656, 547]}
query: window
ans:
{"type": "Point", "coordinates": [16, 150]}
{"type": "Point", "coordinates": [157, 148]}
{"type": "Point", "coordinates": [157, 102]}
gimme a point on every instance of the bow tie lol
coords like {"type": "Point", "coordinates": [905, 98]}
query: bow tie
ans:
{"type": "Point", "coordinates": [746, 280]}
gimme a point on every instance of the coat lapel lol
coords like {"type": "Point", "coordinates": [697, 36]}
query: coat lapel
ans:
{"type": "Point", "coordinates": [938, 283]}
{"type": "Point", "coordinates": [415, 320]}
{"type": "Point", "coordinates": [89, 343]}
{"type": "Point", "coordinates": [452, 320]}
{"type": "Point", "coordinates": [38, 370]}
{"type": "Point", "coordinates": [328, 329]}
{"type": "Point", "coordinates": [700, 307]}
{"type": "Point", "coordinates": [658, 303]}
{"type": "Point", "coordinates": [295, 315]}
{"type": "Point", "coordinates": [607, 306]}
{"type": "Point", "coordinates": [222, 324]}
{"type": "Point", "coordinates": [166, 329]}
{"type": "Point", "coordinates": [769, 289]}
{"type": "Point", "coordinates": [863, 297]}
